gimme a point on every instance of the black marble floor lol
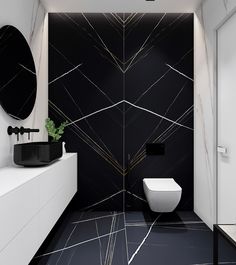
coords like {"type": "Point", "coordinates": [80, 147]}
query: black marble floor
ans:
{"type": "Point", "coordinates": [137, 238]}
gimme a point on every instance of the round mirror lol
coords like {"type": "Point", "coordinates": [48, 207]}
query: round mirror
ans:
{"type": "Point", "coordinates": [18, 81]}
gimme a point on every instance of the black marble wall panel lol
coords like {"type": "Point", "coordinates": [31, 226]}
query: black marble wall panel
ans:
{"type": "Point", "coordinates": [124, 80]}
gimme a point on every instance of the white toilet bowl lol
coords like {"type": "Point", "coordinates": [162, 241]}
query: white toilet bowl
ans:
{"type": "Point", "coordinates": [163, 195]}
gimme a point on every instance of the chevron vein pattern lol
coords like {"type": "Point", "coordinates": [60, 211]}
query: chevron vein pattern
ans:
{"type": "Point", "coordinates": [122, 80]}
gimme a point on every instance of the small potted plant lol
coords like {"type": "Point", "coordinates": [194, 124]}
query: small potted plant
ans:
{"type": "Point", "coordinates": [55, 133]}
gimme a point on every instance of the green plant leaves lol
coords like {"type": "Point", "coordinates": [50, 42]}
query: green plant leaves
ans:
{"type": "Point", "coordinates": [54, 132]}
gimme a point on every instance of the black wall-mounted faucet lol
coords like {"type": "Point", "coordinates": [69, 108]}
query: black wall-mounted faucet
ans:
{"type": "Point", "coordinates": [21, 130]}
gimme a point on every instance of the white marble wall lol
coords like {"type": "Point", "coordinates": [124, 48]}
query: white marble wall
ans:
{"type": "Point", "coordinates": [207, 18]}
{"type": "Point", "coordinates": [30, 17]}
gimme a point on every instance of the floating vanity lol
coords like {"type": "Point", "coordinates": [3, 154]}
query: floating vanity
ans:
{"type": "Point", "coordinates": [31, 202]}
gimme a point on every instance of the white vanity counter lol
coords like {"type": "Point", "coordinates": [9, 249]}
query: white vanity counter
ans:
{"type": "Point", "coordinates": [31, 201]}
{"type": "Point", "coordinates": [15, 176]}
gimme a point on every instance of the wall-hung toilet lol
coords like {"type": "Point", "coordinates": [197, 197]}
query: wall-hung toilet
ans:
{"type": "Point", "coordinates": [163, 194]}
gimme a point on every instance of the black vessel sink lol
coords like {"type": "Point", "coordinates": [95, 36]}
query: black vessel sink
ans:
{"type": "Point", "coordinates": [37, 153]}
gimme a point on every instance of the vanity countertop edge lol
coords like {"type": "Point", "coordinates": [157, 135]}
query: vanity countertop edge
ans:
{"type": "Point", "coordinates": [12, 177]}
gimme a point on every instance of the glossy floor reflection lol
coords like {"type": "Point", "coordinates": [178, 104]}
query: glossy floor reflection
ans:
{"type": "Point", "coordinates": [137, 238]}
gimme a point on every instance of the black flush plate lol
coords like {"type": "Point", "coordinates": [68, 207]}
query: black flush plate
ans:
{"type": "Point", "coordinates": [155, 149]}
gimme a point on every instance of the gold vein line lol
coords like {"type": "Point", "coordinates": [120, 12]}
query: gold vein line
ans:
{"type": "Point", "coordinates": [89, 125]}
{"type": "Point", "coordinates": [160, 122]}
{"type": "Point", "coordinates": [104, 45]}
{"type": "Point", "coordinates": [146, 40]}
{"type": "Point", "coordinates": [142, 155]}
{"type": "Point", "coordinates": [102, 152]}
{"type": "Point", "coordinates": [171, 127]}
{"type": "Point", "coordinates": [89, 140]}
{"type": "Point", "coordinates": [96, 149]}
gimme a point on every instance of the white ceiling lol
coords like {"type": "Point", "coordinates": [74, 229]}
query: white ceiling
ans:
{"type": "Point", "coordinates": [116, 6]}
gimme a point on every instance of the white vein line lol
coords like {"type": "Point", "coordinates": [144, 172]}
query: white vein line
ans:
{"type": "Point", "coordinates": [27, 69]}
{"type": "Point", "coordinates": [100, 42]}
{"type": "Point", "coordinates": [142, 57]}
{"type": "Point", "coordinates": [189, 111]}
{"type": "Point", "coordinates": [139, 247]}
{"type": "Point", "coordinates": [9, 81]}
{"type": "Point", "coordinates": [113, 25]}
{"type": "Point", "coordinates": [151, 86]}
{"type": "Point", "coordinates": [108, 58]}
{"type": "Point", "coordinates": [104, 45]}
{"type": "Point", "coordinates": [125, 19]}
{"type": "Point", "coordinates": [68, 239]}
{"type": "Point", "coordinates": [113, 195]}
{"type": "Point", "coordinates": [112, 251]}
{"type": "Point", "coordinates": [96, 218]}
{"type": "Point", "coordinates": [54, 80]}
{"type": "Point", "coordinates": [176, 129]}
{"type": "Point", "coordinates": [110, 241]}
{"type": "Point", "coordinates": [133, 105]}
{"type": "Point", "coordinates": [96, 86]}
{"type": "Point", "coordinates": [91, 128]}
{"type": "Point", "coordinates": [13, 116]}
{"type": "Point", "coordinates": [158, 125]}
{"type": "Point", "coordinates": [126, 240]}
{"type": "Point", "coordinates": [134, 24]}
{"type": "Point", "coordinates": [143, 45]}
{"type": "Point", "coordinates": [160, 78]}
{"type": "Point", "coordinates": [100, 243]}
{"type": "Point", "coordinates": [168, 26]}
{"type": "Point", "coordinates": [136, 196]}
{"type": "Point", "coordinates": [95, 112]}
{"type": "Point", "coordinates": [156, 245]}
{"type": "Point", "coordinates": [123, 62]}
{"type": "Point", "coordinates": [86, 77]}
{"type": "Point", "coordinates": [171, 67]}
{"type": "Point", "coordinates": [78, 244]}
{"type": "Point", "coordinates": [171, 129]}
{"type": "Point", "coordinates": [117, 18]}
{"type": "Point", "coordinates": [130, 18]}
{"type": "Point", "coordinates": [158, 115]}
{"type": "Point", "coordinates": [88, 140]}
{"type": "Point", "coordinates": [114, 242]}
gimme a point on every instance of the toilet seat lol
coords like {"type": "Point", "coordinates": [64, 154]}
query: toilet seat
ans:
{"type": "Point", "coordinates": [162, 184]}
{"type": "Point", "coordinates": [163, 195]}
